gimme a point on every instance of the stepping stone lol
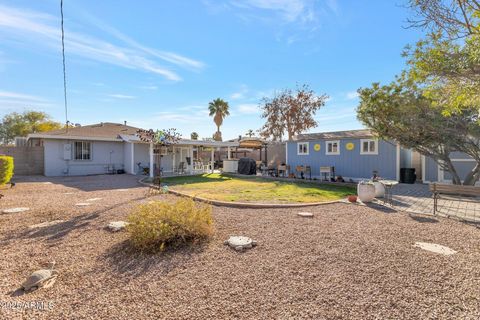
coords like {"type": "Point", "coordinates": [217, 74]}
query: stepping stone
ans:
{"type": "Point", "coordinates": [46, 224]}
{"type": "Point", "coordinates": [115, 226]}
{"type": "Point", "coordinates": [82, 204]}
{"type": "Point", "coordinates": [240, 243]}
{"type": "Point", "coordinates": [93, 199]}
{"type": "Point", "coordinates": [15, 210]}
{"type": "Point", "coordinates": [436, 248]}
{"type": "Point", "coordinates": [305, 214]}
{"type": "Point", "coordinates": [69, 193]}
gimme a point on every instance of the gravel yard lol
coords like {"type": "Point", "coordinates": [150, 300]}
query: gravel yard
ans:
{"type": "Point", "coordinates": [347, 262]}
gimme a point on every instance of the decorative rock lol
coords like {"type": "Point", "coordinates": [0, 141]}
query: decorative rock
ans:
{"type": "Point", "coordinates": [115, 226]}
{"type": "Point", "coordinates": [15, 210]}
{"type": "Point", "coordinates": [240, 243]}
{"type": "Point", "coordinates": [93, 199]}
{"type": "Point", "coordinates": [45, 224]}
{"type": "Point", "coordinates": [436, 248]}
{"type": "Point", "coordinates": [305, 214]}
{"type": "Point", "coordinates": [44, 278]}
{"type": "Point", "coordinates": [82, 204]}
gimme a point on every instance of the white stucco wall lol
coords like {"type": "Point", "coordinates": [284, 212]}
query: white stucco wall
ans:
{"type": "Point", "coordinates": [127, 158]}
{"type": "Point", "coordinates": [142, 155]}
{"type": "Point", "coordinates": [103, 154]}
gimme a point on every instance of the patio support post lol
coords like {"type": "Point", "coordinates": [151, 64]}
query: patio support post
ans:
{"type": "Point", "coordinates": [151, 159]}
{"type": "Point", "coordinates": [212, 159]}
{"type": "Point", "coordinates": [229, 153]}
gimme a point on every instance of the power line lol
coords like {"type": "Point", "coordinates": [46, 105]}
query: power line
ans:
{"type": "Point", "coordinates": [64, 69]}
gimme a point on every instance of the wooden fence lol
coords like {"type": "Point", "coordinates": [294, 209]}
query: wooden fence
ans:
{"type": "Point", "coordinates": [27, 160]}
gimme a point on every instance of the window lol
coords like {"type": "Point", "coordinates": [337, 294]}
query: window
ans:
{"type": "Point", "coordinates": [83, 150]}
{"type": "Point", "coordinates": [302, 148]}
{"type": "Point", "coordinates": [368, 146]}
{"type": "Point", "coordinates": [333, 147]}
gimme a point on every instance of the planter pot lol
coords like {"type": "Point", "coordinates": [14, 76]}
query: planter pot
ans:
{"type": "Point", "coordinates": [379, 190]}
{"type": "Point", "coordinates": [352, 198]}
{"type": "Point", "coordinates": [366, 192]}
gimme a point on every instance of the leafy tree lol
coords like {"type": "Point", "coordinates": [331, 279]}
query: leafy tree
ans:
{"type": "Point", "coordinates": [218, 108]}
{"type": "Point", "coordinates": [250, 133]}
{"type": "Point", "coordinates": [291, 112]}
{"type": "Point", "coordinates": [21, 124]}
{"type": "Point", "coordinates": [447, 61]}
{"type": "Point", "coordinates": [401, 112]}
{"type": "Point", "coordinates": [194, 136]}
{"type": "Point", "coordinates": [434, 106]}
{"type": "Point", "coordinates": [160, 139]}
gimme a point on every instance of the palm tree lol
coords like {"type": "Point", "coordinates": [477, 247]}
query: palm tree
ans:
{"type": "Point", "coordinates": [250, 133]}
{"type": "Point", "coordinates": [219, 109]}
{"type": "Point", "coordinates": [194, 136]}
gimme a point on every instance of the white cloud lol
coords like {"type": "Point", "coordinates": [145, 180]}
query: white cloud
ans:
{"type": "Point", "coordinates": [240, 94]}
{"type": "Point", "coordinates": [352, 95]}
{"type": "Point", "coordinates": [42, 29]}
{"type": "Point", "coordinates": [248, 108]}
{"type": "Point", "coordinates": [14, 101]}
{"type": "Point", "coordinates": [20, 96]}
{"type": "Point", "coordinates": [120, 96]}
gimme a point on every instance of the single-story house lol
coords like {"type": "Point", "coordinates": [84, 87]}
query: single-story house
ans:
{"type": "Point", "coordinates": [354, 154]}
{"type": "Point", "coordinates": [109, 147]}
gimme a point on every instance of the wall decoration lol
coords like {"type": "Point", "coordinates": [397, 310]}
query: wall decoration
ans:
{"type": "Point", "coordinates": [350, 146]}
{"type": "Point", "coordinates": [316, 147]}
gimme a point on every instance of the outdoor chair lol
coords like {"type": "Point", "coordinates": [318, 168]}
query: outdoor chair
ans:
{"type": "Point", "coordinates": [283, 170]}
{"type": "Point", "coordinates": [181, 168]}
{"type": "Point", "coordinates": [300, 172]}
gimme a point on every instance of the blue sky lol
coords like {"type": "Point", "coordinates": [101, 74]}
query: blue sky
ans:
{"type": "Point", "coordinates": [157, 64]}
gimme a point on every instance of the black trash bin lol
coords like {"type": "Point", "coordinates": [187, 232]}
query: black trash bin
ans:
{"type": "Point", "coordinates": [408, 175]}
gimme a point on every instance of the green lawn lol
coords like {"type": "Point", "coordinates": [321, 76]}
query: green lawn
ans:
{"type": "Point", "coordinates": [253, 189]}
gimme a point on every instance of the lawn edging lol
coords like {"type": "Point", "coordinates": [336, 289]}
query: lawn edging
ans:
{"type": "Point", "coordinates": [250, 205]}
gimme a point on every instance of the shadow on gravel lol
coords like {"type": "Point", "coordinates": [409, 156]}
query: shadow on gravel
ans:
{"type": "Point", "coordinates": [423, 219]}
{"type": "Point", "coordinates": [62, 229]}
{"type": "Point", "coordinates": [123, 259]}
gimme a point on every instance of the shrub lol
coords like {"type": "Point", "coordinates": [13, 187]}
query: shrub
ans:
{"type": "Point", "coordinates": [157, 225]}
{"type": "Point", "coordinates": [6, 169]}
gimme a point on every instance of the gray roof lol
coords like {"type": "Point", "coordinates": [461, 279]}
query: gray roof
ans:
{"type": "Point", "coordinates": [352, 134]}
{"type": "Point", "coordinates": [100, 131]}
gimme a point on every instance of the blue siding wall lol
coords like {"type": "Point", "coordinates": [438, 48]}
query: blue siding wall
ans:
{"type": "Point", "coordinates": [350, 163]}
{"type": "Point", "coordinates": [431, 170]}
{"type": "Point", "coordinates": [462, 167]}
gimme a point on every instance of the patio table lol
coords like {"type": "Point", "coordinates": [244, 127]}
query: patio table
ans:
{"type": "Point", "coordinates": [388, 184]}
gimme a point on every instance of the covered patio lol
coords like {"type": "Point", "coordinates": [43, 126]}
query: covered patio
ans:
{"type": "Point", "coordinates": [182, 158]}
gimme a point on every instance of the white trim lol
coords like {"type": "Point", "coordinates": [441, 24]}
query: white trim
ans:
{"type": "Point", "coordinates": [132, 158]}
{"type": "Point", "coordinates": [286, 153]}
{"type": "Point", "coordinates": [398, 162]}
{"type": "Point", "coordinates": [60, 137]}
{"type": "Point", "coordinates": [440, 173]}
{"type": "Point", "coordinates": [308, 148]}
{"type": "Point", "coordinates": [332, 153]}
{"type": "Point", "coordinates": [462, 160]}
{"type": "Point", "coordinates": [150, 153]}
{"type": "Point", "coordinates": [369, 152]}
{"type": "Point", "coordinates": [423, 168]}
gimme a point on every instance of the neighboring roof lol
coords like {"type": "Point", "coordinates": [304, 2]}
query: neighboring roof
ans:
{"type": "Point", "coordinates": [353, 134]}
{"type": "Point", "coordinates": [105, 131]}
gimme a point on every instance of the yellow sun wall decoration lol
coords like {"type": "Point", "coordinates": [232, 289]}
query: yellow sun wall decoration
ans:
{"type": "Point", "coordinates": [316, 147]}
{"type": "Point", "coordinates": [350, 146]}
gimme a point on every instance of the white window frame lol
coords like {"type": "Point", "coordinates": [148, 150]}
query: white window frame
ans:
{"type": "Point", "coordinates": [90, 153]}
{"type": "Point", "coordinates": [333, 153]}
{"type": "Point", "coordinates": [307, 144]}
{"type": "Point", "coordinates": [369, 152]}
